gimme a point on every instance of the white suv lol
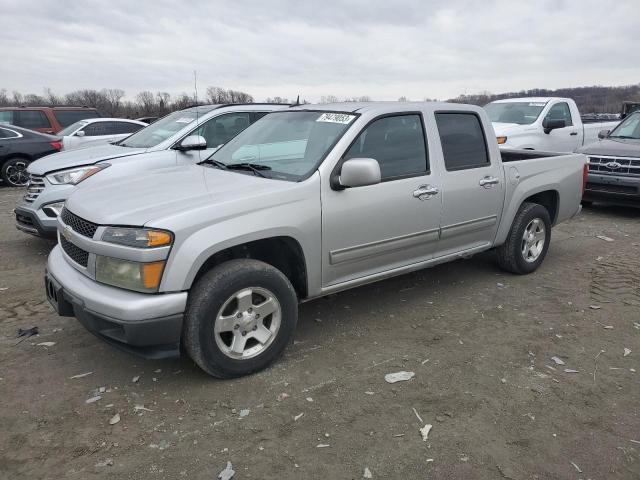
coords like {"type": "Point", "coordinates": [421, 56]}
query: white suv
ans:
{"type": "Point", "coordinates": [184, 137]}
{"type": "Point", "coordinates": [97, 131]}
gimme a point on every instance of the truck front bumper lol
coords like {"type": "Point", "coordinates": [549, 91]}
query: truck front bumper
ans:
{"type": "Point", "coordinates": [148, 325]}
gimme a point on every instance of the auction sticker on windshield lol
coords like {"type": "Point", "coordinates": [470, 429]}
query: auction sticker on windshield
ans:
{"type": "Point", "coordinates": [537, 104]}
{"type": "Point", "coordinates": [184, 120]}
{"type": "Point", "coordinates": [343, 118]}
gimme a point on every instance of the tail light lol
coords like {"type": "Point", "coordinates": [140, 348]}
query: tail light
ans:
{"type": "Point", "coordinates": [585, 176]}
{"type": "Point", "coordinates": [57, 145]}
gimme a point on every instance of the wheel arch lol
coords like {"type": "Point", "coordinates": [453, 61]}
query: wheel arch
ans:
{"type": "Point", "coordinates": [282, 252]}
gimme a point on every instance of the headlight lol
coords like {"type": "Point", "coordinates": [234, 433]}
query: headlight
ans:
{"type": "Point", "coordinates": [137, 237]}
{"type": "Point", "coordinates": [74, 176]}
{"type": "Point", "coordinates": [502, 140]}
{"type": "Point", "coordinates": [141, 277]}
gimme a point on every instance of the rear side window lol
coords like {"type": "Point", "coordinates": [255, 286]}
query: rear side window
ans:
{"type": "Point", "coordinates": [126, 127]}
{"type": "Point", "coordinates": [97, 129]}
{"type": "Point", "coordinates": [6, 133]}
{"type": "Point", "coordinates": [67, 117]}
{"type": "Point", "coordinates": [462, 139]}
{"type": "Point", "coordinates": [31, 119]}
{"type": "Point", "coordinates": [397, 143]}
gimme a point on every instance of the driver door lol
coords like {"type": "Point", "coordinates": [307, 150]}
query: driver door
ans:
{"type": "Point", "coordinates": [372, 229]}
{"type": "Point", "coordinates": [566, 139]}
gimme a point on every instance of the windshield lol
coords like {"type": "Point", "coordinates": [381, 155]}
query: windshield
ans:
{"type": "Point", "coordinates": [285, 145]}
{"type": "Point", "coordinates": [71, 128]}
{"type": "Point", "coordinates": [628, 128]}
{"type": "Point", "coordinates": [159, 131]}
{"type": "Point", "coordinates": [522, 113]}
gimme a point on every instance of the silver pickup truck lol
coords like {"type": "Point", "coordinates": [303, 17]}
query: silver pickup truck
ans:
{"type": "Point", "coordinates": [213, 258]}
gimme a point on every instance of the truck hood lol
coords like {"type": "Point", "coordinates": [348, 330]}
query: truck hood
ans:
{"type": "Point", "coordinates": [615, 147]}
{"type": "Point", "coordinates": [167, 192]}
{"type": "Point", "coordinates": [504, 129]}
{"type": "Point", "coordinates": [77, 158]}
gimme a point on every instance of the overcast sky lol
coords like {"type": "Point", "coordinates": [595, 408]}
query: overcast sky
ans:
{"type": "Point", "coordinates": [384, 49]}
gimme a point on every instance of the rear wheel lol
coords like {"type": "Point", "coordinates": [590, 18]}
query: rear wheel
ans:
{"type": "Point", "coordinates": [14, 172]}
{"type": "Point", "coordinates": [240, 317]}
{"type": "Point", "coordinates": [528, 240]}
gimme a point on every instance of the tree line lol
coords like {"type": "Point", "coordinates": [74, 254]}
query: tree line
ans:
{"type": "Point", "coordinates": [112, 102]}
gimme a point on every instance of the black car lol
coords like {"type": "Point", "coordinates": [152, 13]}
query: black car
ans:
{"type": "Point", "coordinates": [18, 148]}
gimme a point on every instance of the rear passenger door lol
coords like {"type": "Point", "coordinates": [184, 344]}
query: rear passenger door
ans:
{"type": "Point", "coordinates": [473, 187]}
{"type": "Point", "coordinates": [372, 229]}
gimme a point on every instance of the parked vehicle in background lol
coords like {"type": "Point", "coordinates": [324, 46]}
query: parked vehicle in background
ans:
{"type": "Point", "coordinates": [147, 120]}
{"type": "Point", "coordinates": [97, 131]}
{"type": "Point", "coordinates": [180, 138]}
{"type": "Point", "coordinates": [628, 108]}
{"type": "Point", "coordinates": [304, 203]}
{"type": "Point", "coordinates": [45, 119]}
{"type": "Point", "coordinates": [614, 165]}
{"type": "Point", "coordinates": [549, 124]}
{"type": "Point", "coordinates": [18, 148]}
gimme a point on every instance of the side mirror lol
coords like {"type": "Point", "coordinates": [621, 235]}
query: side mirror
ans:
{"type": "Point", "coordinates": [549, 124]}
{"type": "Point", "coordinates": [359, 172]}
{"type": "Point", "coordinates": [192, 142]}
{"type": "Point", "coordinates": [603, 134]}
{"type": "Point", "coordinates": [80, 133]}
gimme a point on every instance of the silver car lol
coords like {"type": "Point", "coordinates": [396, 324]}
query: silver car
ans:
{"type": "Point", "coordinates": [184, 137]}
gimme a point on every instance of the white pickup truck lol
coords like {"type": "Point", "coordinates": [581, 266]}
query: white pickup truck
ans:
{"type": "Point", "coordinates": [550, 124]}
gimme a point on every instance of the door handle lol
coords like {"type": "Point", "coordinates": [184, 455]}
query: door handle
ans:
{"type": "Point", "coordinates": [488, 181]}
{"type": "Point", "coordinates": [573, 133]}
{"type": "Point", "coordinates": [424, 192]}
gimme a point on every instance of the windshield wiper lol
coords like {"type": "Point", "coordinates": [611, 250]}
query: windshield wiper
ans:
{"type": "Point", "coordinates": [253, 167]}
{"type": "Point", "coordinates": [215, 163]}
{"type": "Point", "coordinates": [623, 136]}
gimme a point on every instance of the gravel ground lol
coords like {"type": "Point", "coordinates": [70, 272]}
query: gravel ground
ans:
{"type": "Point", "coordinates": [480, 343]}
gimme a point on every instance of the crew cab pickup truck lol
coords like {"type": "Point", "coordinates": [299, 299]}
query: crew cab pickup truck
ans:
{"type": "Point", "coordinates": [215, 257]}
{"type": "Point", "coordinates": [549, 124]}
{"type": "Point", "coordinates": [614, 165]}
{"type": "Point", "coordinates": [180, 138]}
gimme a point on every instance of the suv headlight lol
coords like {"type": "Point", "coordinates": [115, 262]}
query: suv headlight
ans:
{"type": "Point", "coordinates": [74, 176]}
{"type": "Point", "coordinates": [138, 276]}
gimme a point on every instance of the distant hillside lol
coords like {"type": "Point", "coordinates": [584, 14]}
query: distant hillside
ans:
{"type": "Point", "coordinates": [596, 99]}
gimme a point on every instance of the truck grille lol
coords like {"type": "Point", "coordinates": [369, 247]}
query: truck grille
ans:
{"type": "Point", "coordinates": [34, 188]}
{"type": "Point", "coordinates": [615, 166]}
{"type": "Point", "coordinates": [76, 254]}
{"type": "Point", "coordinates": [79, 225]}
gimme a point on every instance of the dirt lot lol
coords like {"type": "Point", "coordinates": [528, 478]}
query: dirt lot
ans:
{"type": "Point", "coordinates": [479, 341]}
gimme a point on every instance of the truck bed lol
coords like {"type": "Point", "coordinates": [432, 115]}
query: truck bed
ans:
{"type": "Point", "coordinates": [513, 155]}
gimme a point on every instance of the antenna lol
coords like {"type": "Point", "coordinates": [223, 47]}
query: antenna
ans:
{"type": "Point", "coordinates": [297, 101]}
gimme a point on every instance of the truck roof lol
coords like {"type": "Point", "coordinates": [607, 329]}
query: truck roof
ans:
{"type": "Point", "coordinates": [383, 107]}
{"type": "Point", "coordinates": [530, 99]}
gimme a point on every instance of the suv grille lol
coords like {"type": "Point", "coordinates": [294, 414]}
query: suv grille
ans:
{"type": "Point", "coordinates": [77, 254]}
{"type": "Point", "coordinates": [79, 225]}
{"type": "Point", "coordinates": [34, 188]}
{"type": "Point", "coordinates": [615, 166]}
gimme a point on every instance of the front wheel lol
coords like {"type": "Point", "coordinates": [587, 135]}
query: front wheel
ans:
{"type": "Point", "coordinates": [240, 317]}
{"type": "Point", "coordinates": [14, 172]}
{"type": "Point", "coordinates": [528, 240]}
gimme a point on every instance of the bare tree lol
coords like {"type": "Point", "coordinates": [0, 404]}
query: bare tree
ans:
{"type": "Point", "coordinates": [146, 101]}
{"type": "Point", "coordinates": [112, 100]}
{"type": "Point", "coordinates": [4, 98]}
{"type": "Point", "coordinates": [329, 99]}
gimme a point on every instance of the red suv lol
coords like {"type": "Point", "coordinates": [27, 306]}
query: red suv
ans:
{"type": "Point", "coordinates": [45, 119]}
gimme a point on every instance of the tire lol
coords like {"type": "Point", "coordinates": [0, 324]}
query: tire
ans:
{"type": "Point", "coordinates": [214, 304]}
{"type": "Point", "coordinates": [586, 203]}
{"type": "Point", "coordinates": [14, 172]}
{"type": "Point", "coordinates": [511, 256]}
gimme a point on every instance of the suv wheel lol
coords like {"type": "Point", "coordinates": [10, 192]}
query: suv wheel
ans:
{"type": "Point", "coordinates": [14, 172]}
{"type": "Point", "coordinates": [528, 240]}
{"type": "Point", "coordinates": [240, 317]}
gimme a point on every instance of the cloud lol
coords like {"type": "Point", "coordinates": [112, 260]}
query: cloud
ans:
{"type": "Point", "coordinates": [435, 49]}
